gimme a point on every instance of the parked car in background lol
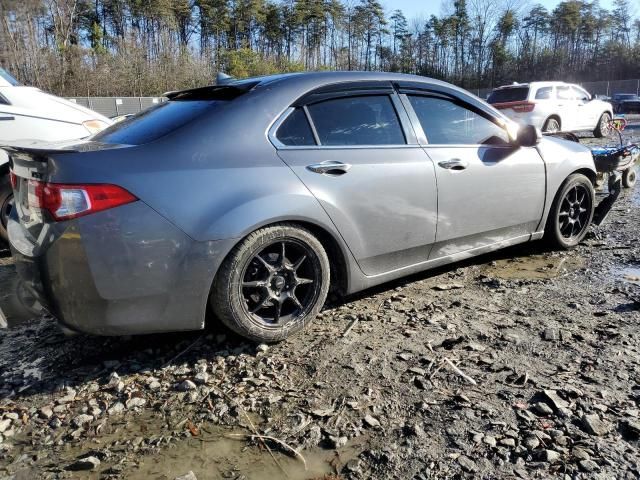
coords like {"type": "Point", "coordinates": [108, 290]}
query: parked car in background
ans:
{"type": "Point", "coordinates": [289, 185]}
{"type": "Point", "coordinates": [553, 107]}
{"type": "Point", "coordinates": [30, 113]}
{"type": "Point", "coordinates": [626, 103]}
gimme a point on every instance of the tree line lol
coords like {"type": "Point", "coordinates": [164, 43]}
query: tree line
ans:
{"type": "Point", "coordinates": [146, 47]}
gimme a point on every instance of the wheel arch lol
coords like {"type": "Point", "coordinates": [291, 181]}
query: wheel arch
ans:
{"type": "Point", "coordinates": [340, 274]}
{"type": "Point", "coordinates": [555, 116]}
{"type": "Point", "coordinates": [590, 174]}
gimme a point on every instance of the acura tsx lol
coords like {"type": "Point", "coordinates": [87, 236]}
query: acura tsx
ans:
{"type": "Point", "coordinates": [253, 198]}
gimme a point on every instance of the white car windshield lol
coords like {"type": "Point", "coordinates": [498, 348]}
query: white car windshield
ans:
{"type": "Point", "coordinates": [8, 78]}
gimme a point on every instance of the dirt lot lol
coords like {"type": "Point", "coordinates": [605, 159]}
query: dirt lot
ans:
{"type": "Point", "coordinates": [525, 363]}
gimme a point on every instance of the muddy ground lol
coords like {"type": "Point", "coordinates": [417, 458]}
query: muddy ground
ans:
{"type": "Point", "coordinates": [520, 364]}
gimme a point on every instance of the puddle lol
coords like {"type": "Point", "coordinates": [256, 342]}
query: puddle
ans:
{"type": "Point", "coordinates": [534, 267]}
{"type": "Point", "coordinates": [215, 452]}
{"type": "Point", "coordinates": [215, 456]}
{"type": "Point", "coordinates": [631, 275]}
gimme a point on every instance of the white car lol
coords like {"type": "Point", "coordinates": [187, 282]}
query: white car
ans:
{"type": "Point", "coordinates": [553, 107]}
{"type": "Point", "coordinates": [29, 113]}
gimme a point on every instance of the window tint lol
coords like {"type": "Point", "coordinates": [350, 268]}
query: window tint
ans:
{"type": "Point", "coordinates": [155, 122]}
{"type": "Point", "coordinates": [367, 120]}
{"type": "Point", "coordinates": [295, 130]}
{"type": "Point", "coordinates": [544, 93]}
{"type": "Point", "coordinates": [580, 94]}
{"type": "Point", "coordinates": [564, 93]}
{"type": "Point", "coordinates": [445, 122]}
{"type": "Point", "coordinates": [510, 94]}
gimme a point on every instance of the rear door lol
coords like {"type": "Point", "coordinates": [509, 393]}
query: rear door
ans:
{"type": "Point", "coordinates": [568, 108]}
{"type": "Point", "coordinates": [489, 190]}
{"type": "Point", "coordinates": [354, 148]}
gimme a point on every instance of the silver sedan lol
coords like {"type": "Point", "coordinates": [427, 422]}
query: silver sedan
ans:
{"type": "Point", "coordinates": [251, 200]}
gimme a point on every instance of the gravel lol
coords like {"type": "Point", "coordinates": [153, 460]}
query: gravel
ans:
{"type": "Point", "coordinates": [548, 339]}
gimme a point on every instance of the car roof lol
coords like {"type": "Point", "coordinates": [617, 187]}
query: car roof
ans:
{"type": "Point", "coordinates": [319, 79]}
{"type": "Point", "coordinates": [537, 85]}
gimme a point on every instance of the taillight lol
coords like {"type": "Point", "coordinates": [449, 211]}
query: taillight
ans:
{"type": "Point", "coordinates": [65, 202]}
{"type": "Point", "coordinates": [525, 107]}
{"type": "Point", "coordinates": [14, 180]}
{"type": "Point", "coordinates": [520, 107]}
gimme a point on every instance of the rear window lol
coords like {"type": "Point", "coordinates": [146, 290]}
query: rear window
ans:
{"type": "Point", "coordinates": [154, 123]}
{"type": "Point", "coordinates": [183, 108]}
{"type": "Point", "coordinates": [544, 93]}
{"type": "Point", "coordinates": [511, 94]}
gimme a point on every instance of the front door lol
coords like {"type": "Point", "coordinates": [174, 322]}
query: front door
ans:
{"type": "Point", "coordinates": [489, 190]}
{"type": "Point", "coordinates": [379, 191]}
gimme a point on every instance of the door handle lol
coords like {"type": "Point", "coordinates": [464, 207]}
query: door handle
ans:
{"type": "Point", "coordinates": [454, 164]}
{"type": "Point", "coordinates": [330, 167]}
{"type": "Point", "coordinates": [7, 118]}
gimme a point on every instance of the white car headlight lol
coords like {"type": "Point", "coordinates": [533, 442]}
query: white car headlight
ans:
{"type": "Point", "coordinates": [94, 126]}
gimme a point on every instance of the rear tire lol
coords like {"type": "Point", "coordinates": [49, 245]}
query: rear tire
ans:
{"type": "Point", "coordinates": [272, 284]}
{"type": "Point", "coordinates": [629, 177]}
{"type": "Point", "coordinates": [602, 129]}
{"type": "Point", "coordinates": [552, 125]}
{"type": "Point", "coordinates": [571, 212]}
{"type": "Point", "coordinates": [6, 202]}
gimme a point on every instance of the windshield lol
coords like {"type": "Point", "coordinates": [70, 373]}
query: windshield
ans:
{"type": "Point", "coordinates": [8, 78]}
{"type": "Point", "coordinates": [626, 96]}
{"type": "Point", "coordinates": [511, 94]}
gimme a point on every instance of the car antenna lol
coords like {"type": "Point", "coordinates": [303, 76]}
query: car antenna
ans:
{"type": "Point", "coordinates": [222, 78]}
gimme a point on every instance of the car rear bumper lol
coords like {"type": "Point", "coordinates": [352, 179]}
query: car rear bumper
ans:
{"type": "Point", "coordinates": [122, 271]}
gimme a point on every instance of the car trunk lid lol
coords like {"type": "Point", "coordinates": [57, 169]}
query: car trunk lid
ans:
{"type": "Point", "coordinates": [31, 165]}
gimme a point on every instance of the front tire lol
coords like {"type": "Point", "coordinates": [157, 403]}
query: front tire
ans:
{"type": "Point", "coordinates": [602, 129]}
{"type": "Point", "coordinates": [571, 212]}
{"type": "Point", "coordinates": [272, 284]}
{"type": "Point", "coordinates": [6, 204]}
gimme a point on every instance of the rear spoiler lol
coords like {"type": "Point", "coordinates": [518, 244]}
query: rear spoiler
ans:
{"type": "Point", "coordinates": [39, 148]}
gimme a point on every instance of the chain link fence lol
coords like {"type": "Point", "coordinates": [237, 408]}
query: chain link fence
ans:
{"type": "Point", "coordinates": [114, 106]}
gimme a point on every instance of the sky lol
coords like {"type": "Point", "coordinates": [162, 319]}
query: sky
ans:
{"type": "Point", "coordinates": [425, 8]}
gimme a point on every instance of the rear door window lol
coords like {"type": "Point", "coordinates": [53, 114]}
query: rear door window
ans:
{"type": "Point", "coordinates": [544, 93]}
{"type": "Point", "coordinates": [357, 120]}
{"type": "Point", "coordinates": [511, 94]}
{"type": "Point", "coordinates": [448, 123]}
{"type": "Point", "coordinates": [295, 130]}
{"type": "Point", "coordinates": [580, 94]}
{"type": "Point", "coordinates": [564, 93]}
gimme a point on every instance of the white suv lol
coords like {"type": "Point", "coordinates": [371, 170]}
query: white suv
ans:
{"type": "Point", "coordinates": [553, 107]}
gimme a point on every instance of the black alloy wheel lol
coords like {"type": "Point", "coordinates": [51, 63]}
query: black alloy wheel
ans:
{"type": "Point", "coordinates": [272, 284]}
{"type": "Point", "coordinates": [281, 283]}
{"type": "Point", "coordinates": [571, 213]}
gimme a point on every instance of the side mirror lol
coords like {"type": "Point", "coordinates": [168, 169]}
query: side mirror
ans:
{"type": "Point", "coordinates": [528, 136]}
